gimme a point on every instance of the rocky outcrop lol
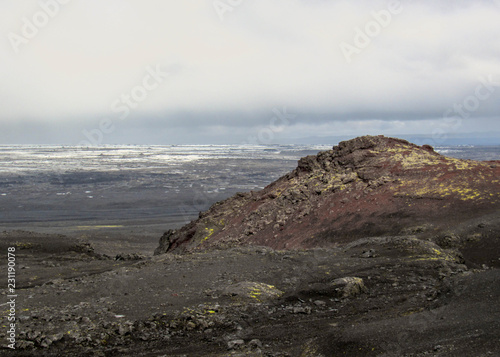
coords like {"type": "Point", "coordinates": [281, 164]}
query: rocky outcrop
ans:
{"type": "Point", "coordinates": [371, 185]}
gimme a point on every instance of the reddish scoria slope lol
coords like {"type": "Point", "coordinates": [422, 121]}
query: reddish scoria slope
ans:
{"type": "Point", "coordinates": [362, 187]}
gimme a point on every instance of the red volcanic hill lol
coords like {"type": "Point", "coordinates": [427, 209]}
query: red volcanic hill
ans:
{"type": "Point", "coordinates": [371, 185]}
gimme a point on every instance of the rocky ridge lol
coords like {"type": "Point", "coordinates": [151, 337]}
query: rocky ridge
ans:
{"type": "Point", "coordinates": [368, 186]}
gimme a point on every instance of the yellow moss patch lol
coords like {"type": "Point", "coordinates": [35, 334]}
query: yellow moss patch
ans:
{"type": "Point", "coordinates": [23, 245]}
{"type": "Point", "coordinates": [99, 227]}
{"type": "Point", "coordinates": [432, 189]}
{"type": "Point", "coordinates": [210, 231]}
{"type": "Point", "coordinates": [412, 159]}
{"type": "Point", "coordinates": [254, 291]}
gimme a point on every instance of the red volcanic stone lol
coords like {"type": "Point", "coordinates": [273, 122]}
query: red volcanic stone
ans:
{"type": "Point", "coordinates": [370, 185]}
{"type": "Point", "coordinates": [428, 148]}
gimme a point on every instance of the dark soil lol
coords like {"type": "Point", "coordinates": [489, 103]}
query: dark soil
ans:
{"type": "Point", "coordinates": [407, 296]}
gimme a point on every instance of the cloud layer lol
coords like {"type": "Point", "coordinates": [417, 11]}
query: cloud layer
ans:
{"type": "Point", "coordinates": [230, 65]}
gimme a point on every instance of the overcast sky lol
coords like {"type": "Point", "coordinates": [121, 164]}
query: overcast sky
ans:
{"type": "Point", "coordinates": [232, 71]}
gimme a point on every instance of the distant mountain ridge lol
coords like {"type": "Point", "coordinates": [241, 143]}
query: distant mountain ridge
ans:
{"type": "Point", "coordinates": [367, 186]}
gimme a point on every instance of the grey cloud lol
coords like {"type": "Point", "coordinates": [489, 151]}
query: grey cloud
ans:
{"type": "Point", "coordinates": [228, 76]}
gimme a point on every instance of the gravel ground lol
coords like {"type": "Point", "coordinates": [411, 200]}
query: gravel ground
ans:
{"type": "Point", "coordinates": [384, 296]}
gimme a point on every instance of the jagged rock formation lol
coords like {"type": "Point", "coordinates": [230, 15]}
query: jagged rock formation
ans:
{"type": "Point", "coordinates": [371, 185]}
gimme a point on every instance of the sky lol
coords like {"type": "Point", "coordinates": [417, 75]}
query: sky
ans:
{"type": "Point", "coordinates": [92, 72]}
